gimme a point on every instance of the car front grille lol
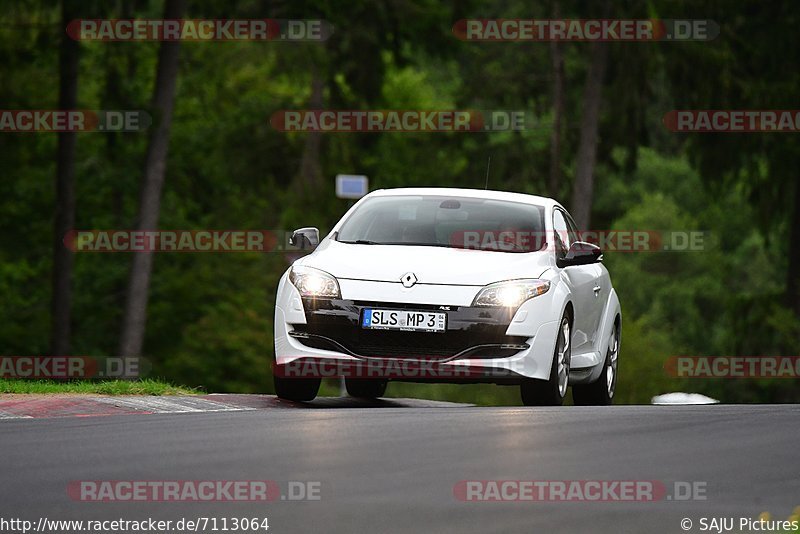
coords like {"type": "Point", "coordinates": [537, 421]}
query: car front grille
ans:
{"type": "Point", "coordinates": [334, 324]}
{"type": "Point", "coordinates": [416, 345]}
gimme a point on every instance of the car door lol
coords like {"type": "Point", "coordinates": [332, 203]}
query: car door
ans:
{"type": "Point", "coordinates": [601, 286]}
{"type": "Point", "coordinates": [581, 280]}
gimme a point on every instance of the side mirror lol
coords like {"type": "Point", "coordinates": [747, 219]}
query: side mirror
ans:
{"type": "Point", "coordinates": [580, 253]}
{"type": "Point", "coordinates": [305, 238]}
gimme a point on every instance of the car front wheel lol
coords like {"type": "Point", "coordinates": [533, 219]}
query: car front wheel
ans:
{"type": "Point", "coordinates": [296, 389]}
{"type": "Point", "coordinates": [551, 392]}
{"type": "Point", "coordinates": [365, 388]}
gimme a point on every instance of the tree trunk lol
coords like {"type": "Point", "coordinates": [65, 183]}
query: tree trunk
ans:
{"type": "Point", "coordinates": [583, 190]}
{"type": "Point", "coordinates": [310, 169]}
{"type": "Point", "coordinates": [793, 275]}
{"type": "Point", "coordinates": [554, 180]}
{"type": "Point", "coordinates": [135, 315]}
{"type": "Point", "coordinates": [63, 259]}
{"type": "Point", "coordinates": [117, 96]}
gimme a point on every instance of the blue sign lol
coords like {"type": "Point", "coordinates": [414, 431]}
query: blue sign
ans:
{"type": "Point", "coordinates": [351, 185]}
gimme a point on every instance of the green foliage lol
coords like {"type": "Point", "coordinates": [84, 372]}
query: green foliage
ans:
{"type": "Point", "coordinates": [210, 315]}
{"type": "Point", "coordinates": [100, 387]}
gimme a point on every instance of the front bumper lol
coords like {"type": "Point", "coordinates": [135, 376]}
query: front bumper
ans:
{"type": "Point", "coordinates": [480, 344]}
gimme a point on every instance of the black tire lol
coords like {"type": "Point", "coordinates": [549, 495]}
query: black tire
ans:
{"type": "Point", "coordinates": [551, 392]}
{"type": "Point", "coordinates": [600, 392]}
{"type": "Point", "coordinates": [365, 388]}
{"type": "Point", "coordinates": [296, 389]}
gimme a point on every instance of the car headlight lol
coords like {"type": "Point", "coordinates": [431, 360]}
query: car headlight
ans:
{"type": "Point", "coordinates": [312, 282]}
{"type": "Point", "coordinates": [512, 293]}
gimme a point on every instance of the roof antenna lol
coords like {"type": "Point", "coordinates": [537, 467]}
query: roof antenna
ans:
{"type": "Point", "coordinates": [488, 164]}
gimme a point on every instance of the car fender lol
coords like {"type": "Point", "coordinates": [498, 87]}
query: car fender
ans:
{"type": "Point", "coordinates": [561, 293]}
{"type": "Point", "coordinates": [288, 299]}
{"type": "Point", "coordinates": [610, 312]}
{"type": "Point", "coordinates": [545, 312]}
{"type": "Point", "coordinates": [562, 297]}
{"type": "Point", "coordinates": [588, 367]}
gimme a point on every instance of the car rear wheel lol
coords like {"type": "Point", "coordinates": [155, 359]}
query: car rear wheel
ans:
{"type": "Point", "coordinates": [365, 388]}
{"type": "Point", "coordinates": [551, 392]}
{"type": "Point", "coordinates": [296, 389]}
{"type": "Point", "coordinates": [601, 391]}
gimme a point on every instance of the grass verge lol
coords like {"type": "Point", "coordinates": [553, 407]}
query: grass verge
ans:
{"type": "Point", "coordinates": [104, 387]}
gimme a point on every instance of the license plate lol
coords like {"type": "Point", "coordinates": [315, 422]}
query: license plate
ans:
{"type": "Point", "coordinates": [411, 321]}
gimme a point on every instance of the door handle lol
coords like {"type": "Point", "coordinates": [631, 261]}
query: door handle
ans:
{"type": "Point", "coordinates": [596, 290]}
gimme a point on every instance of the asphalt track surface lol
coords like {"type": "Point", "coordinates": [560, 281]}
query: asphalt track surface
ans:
{"type": "Point", "coordinates": [391, 466]}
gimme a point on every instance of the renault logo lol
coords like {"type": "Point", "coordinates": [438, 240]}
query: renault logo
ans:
{"type": "Point", "coordinates": [408, 279]}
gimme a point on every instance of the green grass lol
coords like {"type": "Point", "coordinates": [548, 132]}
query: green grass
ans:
{"type": "Point", "coordinates": [105, 387]}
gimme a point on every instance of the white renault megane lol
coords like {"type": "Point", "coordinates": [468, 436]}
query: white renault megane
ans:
{"type": "Point", "coordinates": [449, 285]}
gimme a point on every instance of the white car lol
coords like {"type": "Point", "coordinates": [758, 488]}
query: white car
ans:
{"type": "Point", "coordinates": [449, 285]}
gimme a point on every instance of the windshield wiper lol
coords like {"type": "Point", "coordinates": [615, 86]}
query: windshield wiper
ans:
{"type": "Point", "coordinates": [400, 243]}
{"type": "Point", "coordinates": [421, 244]}
{"type": "Point", "coordinates": [361, 242]}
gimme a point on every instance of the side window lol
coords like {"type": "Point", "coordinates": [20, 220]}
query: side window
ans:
{"type": "Point", "coordinates": [574, 234]}
{"type": "Point", "coordinates": [561, 231]}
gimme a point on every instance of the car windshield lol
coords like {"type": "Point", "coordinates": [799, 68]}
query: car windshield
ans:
{"type": "Point", "coordinates": [441, 221]}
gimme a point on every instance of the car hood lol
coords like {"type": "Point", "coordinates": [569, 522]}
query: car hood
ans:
{"type": "Point", "coordinates": [431, 265]}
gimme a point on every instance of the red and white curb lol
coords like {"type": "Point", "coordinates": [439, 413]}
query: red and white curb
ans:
{"type": "Point", "coordinates": [44, 406]}
{"type": "Point", "coordinates": [169, 404]}
{"type": "Point", "coordinates": [4, 415]}
{"type": "Point", "coordinates": [47, 406]}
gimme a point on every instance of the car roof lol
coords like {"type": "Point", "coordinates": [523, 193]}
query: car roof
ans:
{"type": "Point", "coordinates": [468, 193]}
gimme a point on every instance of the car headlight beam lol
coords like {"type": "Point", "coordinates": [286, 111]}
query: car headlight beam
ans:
{"type": "Point", "coordinates": [511, 294]}
{"type": "Point", "coordinates": [312, 283]}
